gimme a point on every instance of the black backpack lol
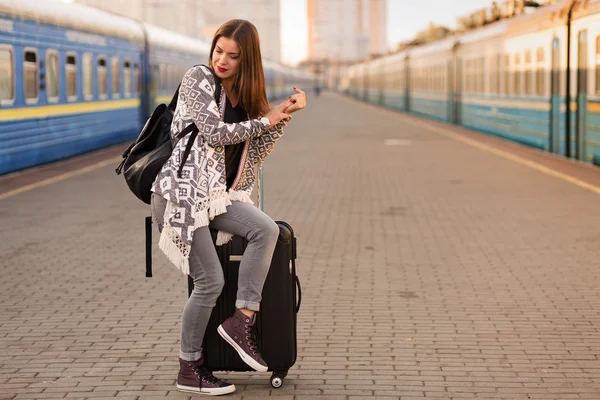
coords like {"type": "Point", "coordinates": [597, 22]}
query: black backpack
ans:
{"type": "Point", "coordinates": [143, 160]}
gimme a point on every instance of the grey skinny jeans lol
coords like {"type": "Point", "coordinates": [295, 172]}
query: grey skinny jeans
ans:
{"type": "Point", "coordinates": [241, 219]}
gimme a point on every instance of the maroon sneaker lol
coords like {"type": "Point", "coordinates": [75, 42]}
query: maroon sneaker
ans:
{"type": "Point", "coordinates": [196, 378]}
{"type": "Point", "coordinates": [238, 331]}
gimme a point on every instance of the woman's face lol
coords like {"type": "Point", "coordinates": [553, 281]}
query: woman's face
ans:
{"type": "Point", "coordinates": [226, 58]}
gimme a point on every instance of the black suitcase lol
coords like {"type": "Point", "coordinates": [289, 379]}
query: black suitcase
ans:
{"type": "Point", "coordinates": [276, 321]}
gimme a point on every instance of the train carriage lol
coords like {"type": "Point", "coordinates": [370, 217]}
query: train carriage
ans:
{"type": "Point", "coordinates": [63, 75]}
{"type": "Point", "coordinates": [395, 95]}
{"type": "Point", "coordinates": [375, 88]}
{"type": "Point", "coordinates": [522, 102]}
{"type": "Point", "coordinates": [584, 87]}
{"type": "Point", "coordinates": [428, 79]}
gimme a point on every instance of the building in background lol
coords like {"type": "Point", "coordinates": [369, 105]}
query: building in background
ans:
{"type": "Point", "coordinates": [181, 16]}
{"type": "Point", "coordinates": [201, 18]}
{"type": "Point", "coordinates": [342, 32]}
{"type": "Point", "coordinates": [264, 14]}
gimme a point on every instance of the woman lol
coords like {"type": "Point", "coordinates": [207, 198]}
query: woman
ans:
{"type": "Point", "coordinates": [213, 190]}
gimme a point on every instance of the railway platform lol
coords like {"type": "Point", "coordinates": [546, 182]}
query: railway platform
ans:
{"type": "Point", "coordinates": [435, 263]}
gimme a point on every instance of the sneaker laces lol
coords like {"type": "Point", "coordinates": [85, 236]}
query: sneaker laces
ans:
{"type": "Point", "coordinates": [251, 339]}
{"type": "Point", "coordinates": [206, 374]}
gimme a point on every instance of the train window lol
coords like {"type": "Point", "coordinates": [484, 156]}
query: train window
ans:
{"type": "Point", "coordinates": [492, 77]}
{"type": "Point", "coordinates": [30, 76]}
{"type": "Point", "coordinates": [102, 81]}
{"type": "Point", "coordinates": [465, 80]}
{"type": "Point", "coordinates": [88, 76]}
{"type": "Point", "coordinates": [116, 77]}
{"type": "Point", "coordinates": [517, 75]}
{"type": "Point", "coordinates": [155, 70]}
{"type": "Point", "coordinates": [528, 74]}
{"type": "Point", "coordinates": [443, 77]}
{"type": "Point", "coordinates": [469, 80]}
{"type": "Point", "coordinates": [598, 65]}
{"type": "Point", "coordinates": [170, 78]}
{"type": "Point", "coordinates": [540, 82]}
{"type": "Point", "coordinates": [497, 87]}
{"type": "Point", "coordinates": [428, 78]}
{"type": "Point", "coordinates": [7, 83]}
{"type": "Point", "coordinates": [481, 75]}
{"type": "Point", "coordinates": [506, 86]}
{"type": "Point", "coordinates": [52, 76]}
{"type": "Point", "coordinates": [71, 75]}
{"type": "Point", "coordinates": [136, 79]}
{"type": "Point", "coordinates": [163, 78]}
{"type": "Point", "coordinates": [127, 80]}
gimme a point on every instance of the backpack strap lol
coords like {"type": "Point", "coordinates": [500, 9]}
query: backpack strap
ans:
{"type": "Point", "coordinates": [188, 148]}
{"type": "Point", "coordinates": [186, 130]}
{"type": "Point", "coordinates": [173, 104]}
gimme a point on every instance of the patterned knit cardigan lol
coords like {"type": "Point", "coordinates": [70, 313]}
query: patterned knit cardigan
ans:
{"type": "Point", "coordinates": [200, 194]}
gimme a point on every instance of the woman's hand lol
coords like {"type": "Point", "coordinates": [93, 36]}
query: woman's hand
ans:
{"type": "Point", "coordinates": [278, 113]}
{"type": "Point", "coordinates": [298, 100]}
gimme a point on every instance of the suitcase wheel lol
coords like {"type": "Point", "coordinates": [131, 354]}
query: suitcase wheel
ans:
{"type": "Point", "coordinates": [277, 380]}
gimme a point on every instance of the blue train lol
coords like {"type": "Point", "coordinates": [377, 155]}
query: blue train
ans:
{"type": "Point", "coordinates": [512, 78]}
{"type": "Point", "coordinates": [74, 79]}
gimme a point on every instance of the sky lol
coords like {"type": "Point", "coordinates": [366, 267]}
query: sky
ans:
{"type": "Point", "coordinates": [405, 18]}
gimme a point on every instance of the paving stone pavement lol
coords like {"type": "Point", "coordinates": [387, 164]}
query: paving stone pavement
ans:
{"type": "Point", "coordinates": [430, 269]}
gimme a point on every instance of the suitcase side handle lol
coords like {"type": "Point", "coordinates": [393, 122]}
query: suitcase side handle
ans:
{"type": "Point", "coordinates": [299, 288]}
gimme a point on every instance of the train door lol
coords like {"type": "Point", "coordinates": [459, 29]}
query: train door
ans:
{"type": "Point", "coordinates": [34, 80]}
{"type": "Point", "coordinates": [450, 91]}
{"type": "Point", "coordinates": [406, 85]}
{"type": "Point", "coordinates": [458, 91]}
{"type": "Point", "coordinates": [365, 91]}
{"type": "Point", "coordinates": [555, 139]}
{"type": "Point", "coordinates": [581, 115]}
{"type": "Point", "coordinates": [381, 83]}
{"type": "Point", "coordinates": [154, 86]}
{"type": "Point", "coordinates": [43, 62]}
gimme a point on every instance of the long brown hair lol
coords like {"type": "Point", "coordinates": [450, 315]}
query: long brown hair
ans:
{"type": "Point", "coordinates": [249, 82]}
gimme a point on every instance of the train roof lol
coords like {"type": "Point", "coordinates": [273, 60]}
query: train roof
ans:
{"type": "Point", "coordinates": [401, 55]}
{"type": "Point", "coordinates": [161, 37]}
{"type": "Point", "coordinates": [584, 9]}
{"type": "Point", "coordinates": [487, 32]}
{"type": "Point", "coordinates": [540, 19]}
{"type": "Point", "coordinates": [440, 45]}
{"type": "Point", "coordinates": [74, 16]}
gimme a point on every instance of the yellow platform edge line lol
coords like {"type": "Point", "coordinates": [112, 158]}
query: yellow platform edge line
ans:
{"type": "Point", "coordinates": [511, 157]}
{"type": "Point", "coordinates": [61, 177]}
{"type": "Point", "coordinates": [458, 137]}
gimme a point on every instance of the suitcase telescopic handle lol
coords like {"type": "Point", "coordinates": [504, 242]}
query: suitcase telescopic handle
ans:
{"type": "Point", "coordinates": [148, 225]}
